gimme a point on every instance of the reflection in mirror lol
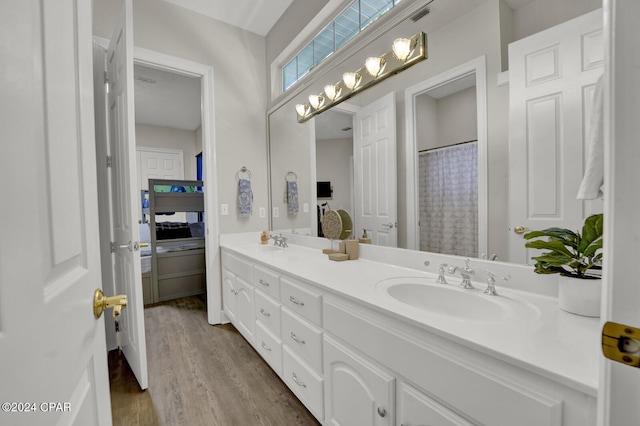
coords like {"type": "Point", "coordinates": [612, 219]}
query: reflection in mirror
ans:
{"type": "Point", "coordinates": [447, 146]}
{"type": "Point", "coordinates": [334, 162]}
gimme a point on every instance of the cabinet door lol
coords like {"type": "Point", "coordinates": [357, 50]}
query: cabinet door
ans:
{"type": "Point", "coordinates": [245, 318]}
{"type": "Point", "coordinates": [229, 295]}
{"type": "Point", "coordinates": [417, 409]}
{"type": "Point", "coordinates": [356, 391]}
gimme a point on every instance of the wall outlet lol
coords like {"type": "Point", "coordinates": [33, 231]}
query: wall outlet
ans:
{"type": "Point", "coordinates": [276, 212]}
{"type": "Point", "coordinates": [305, 207]}
{"type": "Point", "coordinates": [263, 212]}
{"type": "Point", "coordinates": [224, 209]}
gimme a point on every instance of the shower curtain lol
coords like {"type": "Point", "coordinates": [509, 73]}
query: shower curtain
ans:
{"type": "Point", "coordinates": [449, 200]}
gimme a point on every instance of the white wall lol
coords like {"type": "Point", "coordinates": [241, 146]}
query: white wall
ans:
{"type": "Point", "coordinates": [170, 138]}
{"type": "Point", "coordinates": [458, 117]}
{"type": "Point", "coordinates": [333, 160]}
{"type": "Point", "coordinates": [448, 120]}
{"type": "Point", "coordinates": [238, 60]}
{"type": "Point", "coordinates": [538, 15]}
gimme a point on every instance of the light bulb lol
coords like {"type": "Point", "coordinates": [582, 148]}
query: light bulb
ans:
{"type": "Point", "coordinates": [375, 65]}
{"type": "Point", "coordinates": [316, 101]}
{"type": "Point", "coordinates": [351, 79]}
{"type": "Point", "coordinates": [332, 91]}
{"type": "Point", "coordinates": [402, 48]}
{"type": "Point", "coordinates": [302, 109]}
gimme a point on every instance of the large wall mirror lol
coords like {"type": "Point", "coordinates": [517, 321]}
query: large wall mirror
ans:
{"type": "Point", "coordinates": [450, 112]}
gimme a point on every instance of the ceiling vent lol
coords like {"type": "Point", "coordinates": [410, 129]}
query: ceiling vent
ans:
{"type": "Point", "coordinates": [420, 14]}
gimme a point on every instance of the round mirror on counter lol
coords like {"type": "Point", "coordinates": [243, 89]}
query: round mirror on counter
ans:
{"type": "Point", "coordinates": [337, 225]}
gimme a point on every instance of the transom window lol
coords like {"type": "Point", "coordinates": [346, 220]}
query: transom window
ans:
{"type": "Point", "coordinates": [347, 25]}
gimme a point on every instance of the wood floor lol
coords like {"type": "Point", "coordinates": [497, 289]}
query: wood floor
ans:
{"type": "Point", "coordinates": [200, 375]}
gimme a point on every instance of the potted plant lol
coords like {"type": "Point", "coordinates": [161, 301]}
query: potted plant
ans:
{"type": "Point", "coordinates": [575, 256]}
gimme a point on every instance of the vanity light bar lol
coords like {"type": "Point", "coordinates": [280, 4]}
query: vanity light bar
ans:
{"type": "Point", "coordinates": [405, 53]}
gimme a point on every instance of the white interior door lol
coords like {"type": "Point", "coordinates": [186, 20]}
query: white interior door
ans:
{"type": "Point", "coordinates": [374, 151]}
{"type": "Point", "coordinates": [156, 163]}
{"type": "Point", "coordinates": [127, 274]}
{"type": "Point", "coordinates": [552, 78]}
{"type": "Point", "coordinates": [51, 346]}
{"type": "Point", "coordinates": [619, 384]}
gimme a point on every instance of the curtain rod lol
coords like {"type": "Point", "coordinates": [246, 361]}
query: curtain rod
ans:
{"type": "Point", "coordinates": [446, 146]}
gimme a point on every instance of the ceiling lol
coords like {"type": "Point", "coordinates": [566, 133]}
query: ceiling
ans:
{"type": "Point", "coordinates": [166, 99]}
{"type": "Point", "coordinates": [257, 16]}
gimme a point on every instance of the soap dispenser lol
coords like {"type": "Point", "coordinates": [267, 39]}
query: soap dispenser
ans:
{"type": "Point", "coordinates": [365, 238]}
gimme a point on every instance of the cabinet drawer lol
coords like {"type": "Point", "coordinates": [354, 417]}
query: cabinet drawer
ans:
{"type": "Point", "coordinates": [269, 347]}
{"type": "Point", "coordinates": [301, 301]}
{"type": "Point", "coordinates": [267, 281]}
{"type": "Point", "coordinates": [179, 263]}
{"type": "Point", "coordinates": [303, 381]}
{"type": "Point", "coordinates": [241, 267]}
{"type": "Point", "coordinates": [303, 338]}
{"type": "Point", "coordinates": [267, 312]}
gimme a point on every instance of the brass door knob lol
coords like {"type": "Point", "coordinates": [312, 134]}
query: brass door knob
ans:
{"type": "Point", "coordinates": [520, 229]}
{"type": "Point", "coordinates": [101, 303]}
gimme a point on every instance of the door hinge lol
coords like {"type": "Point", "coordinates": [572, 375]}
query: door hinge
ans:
{"type": "Point", "coordinates": [621, 343]}
{"type": "Point", "coordinates": [113, 246]}
{"type": "Point", "coordinates": [109, 161]}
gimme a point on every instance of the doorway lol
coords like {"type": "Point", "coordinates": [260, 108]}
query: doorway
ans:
{"type": "Point", "coordinates": [205, 74]}
{"type": "Point", "coordinates": [463, 89]}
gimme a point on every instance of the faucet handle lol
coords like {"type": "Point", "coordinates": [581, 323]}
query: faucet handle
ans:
{"type": "Point", "coordinates": [491, 282]}
{"type": "Point", "coordinates": [441, 271]}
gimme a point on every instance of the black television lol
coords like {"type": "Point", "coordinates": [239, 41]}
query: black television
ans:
{"type": "Point", "coordinates": [324, 189]}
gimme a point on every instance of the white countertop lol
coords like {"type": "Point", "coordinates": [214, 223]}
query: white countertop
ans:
{"type": "Point", "coordinates": [560, 346]}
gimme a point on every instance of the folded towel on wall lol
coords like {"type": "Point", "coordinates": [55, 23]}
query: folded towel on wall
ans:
{"type": "Point", "coordinates": [593, 180]}
{"type": "Point", "coordinates": [291, 197]}
{"type": "Point", "coordinates": [245, 197]}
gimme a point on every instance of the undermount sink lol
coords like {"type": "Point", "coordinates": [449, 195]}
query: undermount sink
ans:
{"type": "Point", "coordinates": [453, 301]}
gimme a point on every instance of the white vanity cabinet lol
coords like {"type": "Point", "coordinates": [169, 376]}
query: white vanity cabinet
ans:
{"type": "Point", "coordinates": [351, 363]}
{"type": "Point", "coordinates": [357, 392]}
{"type": "Point", "coordinates": [237, 294]}
{"type": "Point", "coordinates": [414, 408]}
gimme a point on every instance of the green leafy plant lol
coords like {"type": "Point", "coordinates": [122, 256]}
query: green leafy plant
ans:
{"type": "Point", "coordinates": [570, 253]}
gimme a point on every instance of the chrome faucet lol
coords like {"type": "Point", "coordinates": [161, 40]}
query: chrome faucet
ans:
{"type": "Point", "coordinates": [465, 272]}
{"type": "Point", "coordinates": [491, 282]}
{"type": "Point", "coordinates": [279, 240]}
{"type": "Point", "coordinates": [441, 269]}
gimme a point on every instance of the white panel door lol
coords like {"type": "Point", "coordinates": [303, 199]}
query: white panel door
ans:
{"type": "Point", "coordinates": [126, 201]}
{"type": "Point", "coordinates": [158, 164]}
{"type": "Point", "coordinates": [52, 349]}
{"type": "Point", "coordinates": [374, 150]}
{"type": "Point", "coordinates": [552, 77]}
{"type": "Point", "coordinates": [619, 384]}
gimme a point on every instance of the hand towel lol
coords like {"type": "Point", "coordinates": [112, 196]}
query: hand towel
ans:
{"type": "Point", "coordinates": [291, 197]}
{"type": "Point", "coordinates": [593, 180]}
{"type": "Point", "coordinates": [245, 197]}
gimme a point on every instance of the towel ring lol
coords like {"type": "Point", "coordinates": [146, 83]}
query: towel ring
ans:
{"type": "Point", "coordinates": [291, 174]}
{"type": "Point", "coordinates": [243, 170]}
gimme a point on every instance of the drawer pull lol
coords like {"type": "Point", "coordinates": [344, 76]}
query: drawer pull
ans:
{"type": "Point", "coordinates": [296, 301]}
{"type": "Point", "coordinates": [297, 339]}
{"type": "Point", "coordinates": [298, 382]}
{"type": "Point", "coordinates": [382, 412]}
{"type": "Point", "coordinates": [265, 347]}
{"type": "Point", "coordinates": [264, 283]}
{"type": "Point", "coordinates": [265, 313]}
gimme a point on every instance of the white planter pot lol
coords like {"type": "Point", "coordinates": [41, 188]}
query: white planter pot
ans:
{"type": "Point", "coordinates": [580, 296]}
